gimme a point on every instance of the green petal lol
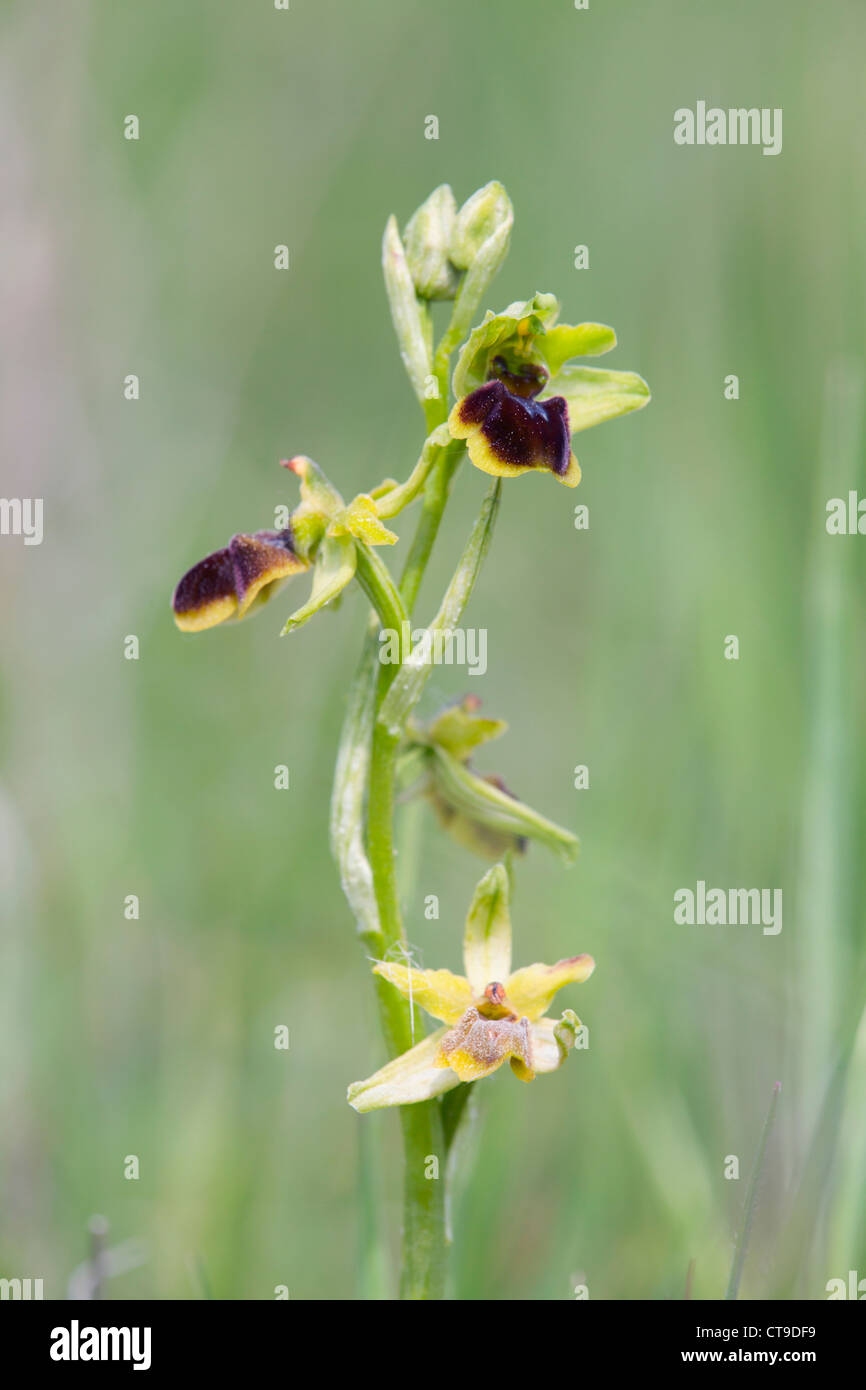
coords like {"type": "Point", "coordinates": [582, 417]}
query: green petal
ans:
{"type": "Point", "coordinates": [361, 519]}
{"type": "Point", "coordinates": [335, 566]}
{"type": "Point", "coordinates": [487, 938]}
{"type": "Point", "coordinates": [560, 344]}
{"type": "Point", "coordinates": [411, 1077]}
{"type": "Point", "coordinates": [594, 395]}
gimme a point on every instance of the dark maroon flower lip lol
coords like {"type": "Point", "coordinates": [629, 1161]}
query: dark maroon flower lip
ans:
{"type": "Point", "coordinates": [227, 583]}
{"type": "Point", "coordinates": [509, 434]}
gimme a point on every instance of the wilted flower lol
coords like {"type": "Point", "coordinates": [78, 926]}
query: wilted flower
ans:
{"type": "Point", "coordinates": [476, 808]}
{"type": "Point", "coordinates": [491, 1014]}
{"type": "Point", "coordinates": [519, 399]}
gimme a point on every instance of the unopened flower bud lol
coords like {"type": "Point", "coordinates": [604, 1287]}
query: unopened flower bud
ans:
{"type": "Point", "coordinates": [427, 238]}
{"type": "Point", "coordinates": [487, 214]}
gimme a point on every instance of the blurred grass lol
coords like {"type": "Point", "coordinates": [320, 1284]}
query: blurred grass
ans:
{"type": "Point", "coordinates": [154, 1037]}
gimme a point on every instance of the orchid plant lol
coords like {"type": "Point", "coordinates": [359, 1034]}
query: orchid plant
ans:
{"type": "Point", "coordinates": [506, 392]}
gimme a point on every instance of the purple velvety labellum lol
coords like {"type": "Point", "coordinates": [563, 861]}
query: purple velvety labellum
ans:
{"type": "Point", "coordinates": [254, 558]}
{"type": "Point", "coordinates": [518, 430]}
{"type": "Point", "coordinates": [211, 581]}
{"type": "Point", "coordinates": [284, 539]}
{"type": "Point", "coordinates": [227, 583]}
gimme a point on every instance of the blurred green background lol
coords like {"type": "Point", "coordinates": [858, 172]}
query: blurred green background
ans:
{"type": "Point", "coordinates": [155, 777]}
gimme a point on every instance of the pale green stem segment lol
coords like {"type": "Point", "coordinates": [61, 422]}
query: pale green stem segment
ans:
{"type": "Point", "coordinates": [376, 581]}
{"type": "Point", "coordinates": [751, 1199]}
{"type": "Point", "coordinates": [393, 502]}
{"type": "Point", "coordinates": [424, 1244]}
{"type": "Point", "coordinates": [472, 289]}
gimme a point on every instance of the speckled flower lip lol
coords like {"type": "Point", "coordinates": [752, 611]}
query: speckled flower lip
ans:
{"type": "Point", "coordinates": [508, 434]}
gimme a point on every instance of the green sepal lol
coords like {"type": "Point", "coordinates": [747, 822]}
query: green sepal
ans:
{"type": "Point", "coordinates": [487, 933]}
{"type": "Point", "coordinates": [593, 394]}
{"type": "Point", "coordinates": [469, 832]}
{"type": "Point", "coordinates": [336, 561]}
{"type": "Point", "coordinates": [318, 494]}
{"type": "Point", "coordinates": [487, 805]}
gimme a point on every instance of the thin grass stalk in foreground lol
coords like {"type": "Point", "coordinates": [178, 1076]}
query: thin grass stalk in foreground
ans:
{"type": "Point", "coordinates": [751, 1200]}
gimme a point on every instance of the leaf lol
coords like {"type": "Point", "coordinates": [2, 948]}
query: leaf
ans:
{"type": "Point", "coordinates": [407, 685]}
{"type": "Point", "coordinates": [405, 311]}
{"type": "Point", "coordinates": [347, 801]}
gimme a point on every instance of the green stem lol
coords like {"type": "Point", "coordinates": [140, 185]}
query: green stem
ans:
{"type": "Point", "coordinates": [375, 580]}
{"type": "Point", "coordinates": [436, 493]}
{"type": "Point", "coordinates": [424, 1246]}
{"type": "Point", "coordinates": [398, 497]}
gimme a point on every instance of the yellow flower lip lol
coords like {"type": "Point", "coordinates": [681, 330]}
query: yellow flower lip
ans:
{"type": "Point", "coordinates": [478, 1046]}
